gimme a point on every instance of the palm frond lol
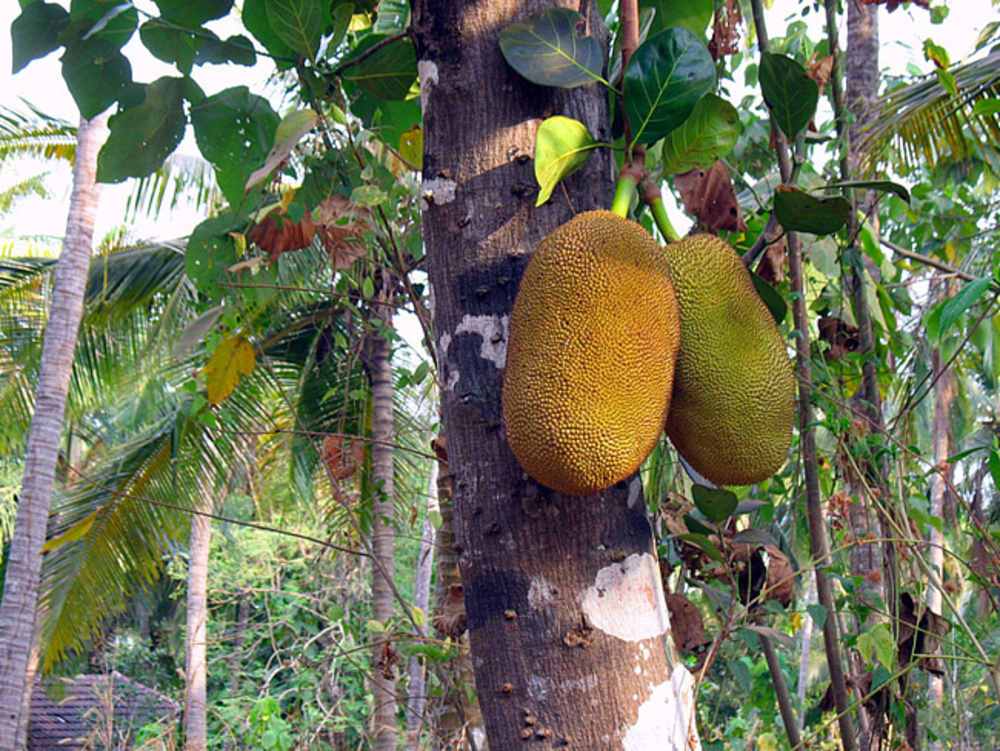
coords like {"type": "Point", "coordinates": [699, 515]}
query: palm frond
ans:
{"type": "Point", "coordinates": [921, 123]}
{"type": "Point", "coordinates": [31, 186]}
{"type": "Point", "coordinates": [32, 133]}
{"type": "Point", "coordinates": [182, 179]}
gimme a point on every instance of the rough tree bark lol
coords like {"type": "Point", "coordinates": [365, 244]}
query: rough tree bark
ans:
{"type": "Point", "coordinates": [566, 613]}
{"type": "Point", "coordinates": [378, 352]}
{"type": "Point", "coordinates": [24, 562]}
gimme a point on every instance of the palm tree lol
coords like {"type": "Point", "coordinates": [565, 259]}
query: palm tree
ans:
{"type": "Point", "coordinates": [17, 611]}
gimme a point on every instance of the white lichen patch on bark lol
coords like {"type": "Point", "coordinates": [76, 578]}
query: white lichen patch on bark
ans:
{"type": "Point", "coordinates": [437, 191]}
{"type": "Point", "coordinates": [427, 72]}
{"type": "Point", "coordinates": [539, 593]}
{"type": "Point", "coordinates": [634, 492]}
{"type": "Point", "coordinates": [665, 721]}
{"type": "Point", "coordinates": [540, 686]}
{"type": "Point", "coordinates": [493, 330]}
{"type": "Point", "coordinates": [626, 600]}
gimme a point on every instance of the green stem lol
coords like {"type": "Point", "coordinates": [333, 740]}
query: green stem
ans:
{"type": "Point", "coordinates": [624, 192]}
{"type": "Point", "coordinates": [662, 220]}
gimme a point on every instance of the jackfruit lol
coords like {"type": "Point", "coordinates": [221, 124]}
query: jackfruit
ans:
{"type": "Point", "coordinates": [733, 403]}
{"type": "Point", "coordinates": [593, 338]}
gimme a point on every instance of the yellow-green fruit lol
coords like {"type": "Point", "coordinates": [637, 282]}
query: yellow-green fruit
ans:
{"type": "Point", "coordinates": [733, 404]}
{"type": "Point", "coordinates": [590, 359]}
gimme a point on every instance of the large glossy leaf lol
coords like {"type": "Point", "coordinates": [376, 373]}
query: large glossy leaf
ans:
{"type": "Point", "coordinates": [235, 49]}
{"type": "Point", "coordinates": [799, 211]}
{"type": "Point", "coordinates": [664, 80]}
{"type": "Point", "coordinates": [35, 33]}
{"type": "Point", "coordinates": [96, 73]}
{"type": "Point", "coordinates": [717, 504]}
{"type": "Point", "coordinates": [694, 15]}
{"type": "Point", "coordinates": [886, 186]}
{"type": "Point", "coordinates": [111, 20]}
{"type": "Point", "coordinates": [550, 49]}
{"type": "Point", "coordinates": [299, 23]}
{"type": "Point", "coordinates": [173, 44]}
{"type": "Point", "coordinates": [707, 135]}
{"type": "Point", "coordinates": [193, 15]}
{"type": "Point", "coordinates": [968, 296]}
{"type": "Point", "coordinates": [789, 93]}
{"type": "Point", "coordinates": [255, 18]}
{"type": "Point", "coordinates": [388, 74]}
{"type": "Point", "coordinates": [141, 137]}
{"type": "Point", "coordinates": [234, 130]}
{"type": "Point", "coordinates": [562, 146]}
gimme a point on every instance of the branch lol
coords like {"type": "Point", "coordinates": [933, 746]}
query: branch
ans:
{"type": "Point", "coordinates": [927, 260]}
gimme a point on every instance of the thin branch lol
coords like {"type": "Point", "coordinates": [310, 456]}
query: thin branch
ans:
{"type": "Point", "coordinates": [339, 70]}
{"type": "Point", "coordinates": [926, 260]}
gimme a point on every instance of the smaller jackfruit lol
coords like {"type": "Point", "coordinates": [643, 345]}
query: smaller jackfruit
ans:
{"type": "Point", "coordinates": [590, 358]}
{"type": "Point", "coordinates": [733, 404]}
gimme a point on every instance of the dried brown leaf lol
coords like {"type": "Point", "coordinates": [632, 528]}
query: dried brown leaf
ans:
{"type": "Point", "coordinates": [820, 70]}
{"type": "Point", "coordinates": [708, 195]}
{"type": "Point", "coordinates": [726, 30]}
{"type": "Point", "coordinates": [342, 224]}
{"type": "Point", "coordinates": [841, 336]}
{"type": "Point", "coordinates": [686, 623]}
{"type": "Point", "coordinates": [277, 234]}
{"type": "Point", "coordinates": [452, 621]}
{"type": "Point", "coordinates": [771, 267]}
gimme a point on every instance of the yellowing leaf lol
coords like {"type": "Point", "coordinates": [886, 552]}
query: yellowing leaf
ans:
{"type": "Point", "coordinates": [77, 532]}
{"type": "Point", "coordinates": [290, 131]}
{"type": "Point", "coordinates": [797, 622]}
{"type": "Point", "coordinates": [562, 145]}
{"type": "Point", "coordinates": [232, 358]}
{"type": "Point", "coordinates": [411, 147]}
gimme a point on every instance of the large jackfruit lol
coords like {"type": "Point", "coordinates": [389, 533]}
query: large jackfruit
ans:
{"type": "Point", "coordinates": [733, 404]}
{"type": "Point", "coordinates": [590, 360]}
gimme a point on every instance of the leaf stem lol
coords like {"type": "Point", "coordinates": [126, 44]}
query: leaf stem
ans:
{"type": "Point", "coordinates": [654, 199]}
{"type": "Point", "coordinates": [624, 191]}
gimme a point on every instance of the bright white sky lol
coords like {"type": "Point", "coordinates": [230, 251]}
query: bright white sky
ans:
{"type": "Point", "coordinates": [41, 83]}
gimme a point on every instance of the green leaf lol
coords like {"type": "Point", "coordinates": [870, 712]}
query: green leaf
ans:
{"type": "Point", "coordinates": [96, 73]}
{"type": "Point", "coordinates": [234, 130]}
{"type": "Point", "coordinates": [694, 15]}
{"type": "Point", "coordinates": [255, 19]}
{"type": "Point", "coordinates": [709, 134]}
{"type": "Point", "coordinates": [704, 543]}
{"type": "Point", "coordinates": [289, 132]}
{"type": "Point", "coordinates": [388, 74]}
{"type": "Point", "coordinates": [802, 212]}
{"type": "Point", "coordinates": [968, 296]}
{"type": "Point", "coordinates": [818, 614]}
{"type": "Point", "coordinates": [35, 33]}
{"type": "Point", "coordinates": [193, 15]}
{"type": "Point", "coordinates": [775, 303]}
{"type": "Point", "coordinates": [886, 186]}
{"type": "Point", "coordinates": [716, 504]}
{"type": "Point", "coordinates": [741, 672]}
{"type": "Point", "coordinates": [878, 640]}
{"type": "Point", "coordinates": [211, 250]}
{"type": "Point", "coordinates": [299, 23]}
{"type": "Point", "coordinates": [995, 467]}
{"type": "Point", "coordinates": [235, 49]}
{"type": "Point", "coordinates": [549, 49]}
{"type": "Point", "coordinates": [789, 93]}
{"type": "Point", "coordinates": [562, 146]}
{"type": "Point", "coordinates": [173, 44]}
{"type": "Point", "coordinates": [113, 21]}
{"type": "Point", "coordinates": [142, 137]}
{"type": "Point", "coordinates": [985, 107]}
{"type": "Point", "coordinates": [664, 80]}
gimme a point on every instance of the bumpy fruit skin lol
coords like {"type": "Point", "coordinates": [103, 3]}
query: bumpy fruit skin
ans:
{"type": "Point", "coordinates": [733, 404]}
{"type": "Point", "coordinates": [590, 359]}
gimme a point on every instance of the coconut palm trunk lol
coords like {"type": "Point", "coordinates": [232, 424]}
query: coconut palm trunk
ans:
{"type": "Point", "coordinates": [18, 610]}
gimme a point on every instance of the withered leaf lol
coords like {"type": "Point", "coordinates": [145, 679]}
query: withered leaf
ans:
{"type": "Point", "coordinates": [820, 70]}
{"type": "Point", "coordinates": [726, 30]}
{"type": "Point", "coordinates": [686, 623]}
{"type": "Point", "coordinates": [841, 336]}
{"type": "Point", "coordinates": [771, 267]}
{"type": "Point", "coordinates": [342, 224]}
{"type": "Point", "coordinates": [343, 456]}
{"type": "Point", "coordinates": [277, 234]}
{"type": "Point", "coordinates": [708, 195]}
{"type": "Point", "coordinates": [780, 577]}
{"type": "Point", "coordinates": [451, 621]}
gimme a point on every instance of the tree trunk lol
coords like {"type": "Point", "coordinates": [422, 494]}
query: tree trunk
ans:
{"type": "Point", "coordinates": [416, 691]}
{"type": "Point", "coordinates": [944, 446]}
{"type": "Point", "coordinates": [566, 614]}
{"type": "Point", "coordinates": [383, 535]}
{"type": "Point", "coordinates": [196, 695]}
{"type": "Point", "coordinates": [24, 562]}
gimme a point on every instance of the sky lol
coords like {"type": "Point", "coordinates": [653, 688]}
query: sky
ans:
{"type": "Point", "coordinates": [902, 35]}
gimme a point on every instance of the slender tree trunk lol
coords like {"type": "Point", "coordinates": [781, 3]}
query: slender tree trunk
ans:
{"type": "Point", "coordinates": [379, 351]}
{"type": "Point", "coordinates": [196, 695]}
{"type": "Point", "coordinates": [944, 446]}
{"type": "Point", "coordinates": [416, 697]}
{"type": "Point", "coordinates": [17, 612]}
{"type": "Point", "coordinates": [566, 614]}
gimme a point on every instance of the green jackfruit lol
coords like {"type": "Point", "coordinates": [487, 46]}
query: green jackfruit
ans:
{"type": "Point", "coordinates": [733, 404]}
{"type": "Point", "coordinates": [590, 358]}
